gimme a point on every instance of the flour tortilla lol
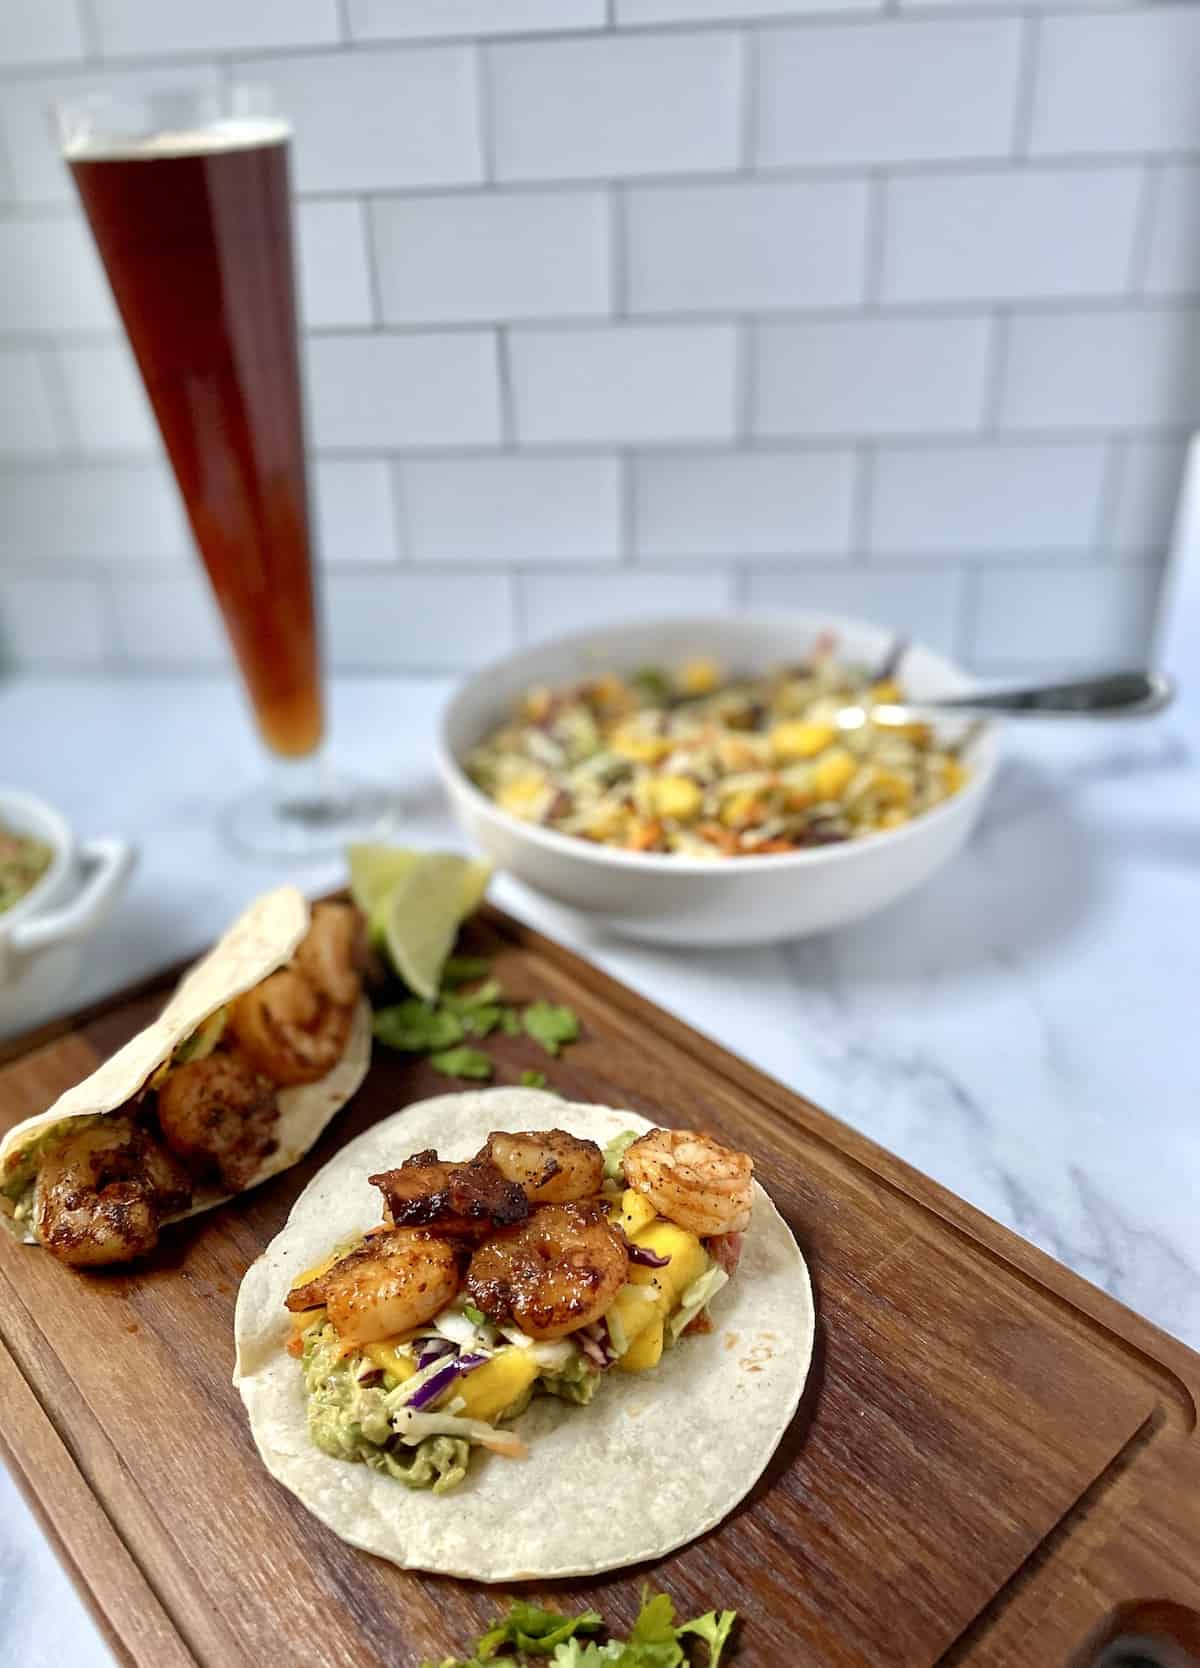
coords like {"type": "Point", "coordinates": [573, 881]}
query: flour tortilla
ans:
{"type": "Point", "coordinates": [263, 938]}
{"type": "Point", "coordinates": [655, 1460]}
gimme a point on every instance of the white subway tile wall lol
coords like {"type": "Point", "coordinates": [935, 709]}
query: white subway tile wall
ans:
{"type": "Point", "coordinates": [27, 422]}
{"type": "Point", "coordinates": [620, 307]}
{"type": "Point", "coordinates": [331, 254]}
{"type": "Point", "coordinates": [106, 408]}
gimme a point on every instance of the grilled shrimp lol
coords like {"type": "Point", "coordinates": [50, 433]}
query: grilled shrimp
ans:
{"type": "Point", "coordinates": [556, 1272]}
{"type": "Point", "coordinates": [294, 1025]}
{"type": "Point", "coordinates": [102, 1193]}
{"type": "Point", "coordinates": [288, 1030]}
{"type": "Point", "coordinates": [551, 1166]}
{"type": "Point", "coordinates": [399, 1279]}
{"type": "Point", "coordinates": [328, 953]}
{"type": "Point", "coordinates": [219, 1115]}
{"type": "Point", "coordinates": [429, 1192]}
{"type": "Point", "coordinates": [692, 1180]}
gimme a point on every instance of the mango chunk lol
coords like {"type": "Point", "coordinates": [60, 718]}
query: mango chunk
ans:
{"type": "Point", "coordinates": [634, 1311]}
{"type": "Point", "coordinates": [688, 1260]}
{"type": "Point", "coordinates": [646, 1349]}
{"type": "Point", "coordinates": [796, 738]}
{"type": "Point", "coordinates": [832, 775]}
{"type": "Point", "coordinates": [489, 1389]}
{"type": "Point", "coordinates": [699, 677]}
{"type": "Point", "coordinates": [632, 1213]}
{"type": "Point", "coordinates": [676, 796]}
{"type": "Point", "coordinates": [385, 1355]}
{"type": "Point", "coordinates": [521, 796]}
{"type": "Point", "coordinates": [890, 788]}
{"type": "Point", "coordinates": [642, 749]}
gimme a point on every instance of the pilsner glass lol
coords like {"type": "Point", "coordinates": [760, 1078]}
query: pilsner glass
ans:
{"type": "Point", "coordinates": [188, 198]}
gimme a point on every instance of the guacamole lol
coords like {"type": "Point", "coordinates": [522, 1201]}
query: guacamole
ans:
{"type": "Point", "coordinates": [351, 1404]}
{"type": "Point", "coordinates": [348, 1418]}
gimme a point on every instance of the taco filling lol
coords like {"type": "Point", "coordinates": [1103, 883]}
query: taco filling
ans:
{"type": "Point", "coordinates": [205, 1123]}
{"type": "Point", "coordinates": [538, 1267]}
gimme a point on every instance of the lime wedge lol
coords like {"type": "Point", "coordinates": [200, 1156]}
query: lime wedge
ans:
{"type": "Point", "coordinates": [374, 870]}
{"type": "Point", "coordinates": [414, 902]}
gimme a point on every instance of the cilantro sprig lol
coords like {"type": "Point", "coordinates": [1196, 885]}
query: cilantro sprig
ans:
{"type": "Point", "coordinates": [656, 1640]}
{"type": "Point", "coordinates": [551, 1023]}
{"type": "Point", "coordinates": [441, 1029]}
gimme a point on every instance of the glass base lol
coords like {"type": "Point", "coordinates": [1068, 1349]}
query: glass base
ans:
{"type": "Point", "coordinates": [306, 811]}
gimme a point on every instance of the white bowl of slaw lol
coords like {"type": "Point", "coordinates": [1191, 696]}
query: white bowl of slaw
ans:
{"type": "Point", "coordinates": [672, 899]}
{"type": "Point", "coordinates": [43, 934]}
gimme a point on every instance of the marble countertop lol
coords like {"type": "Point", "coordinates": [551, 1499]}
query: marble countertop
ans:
{"type": "Point", "coordinates": [1021, 1029]}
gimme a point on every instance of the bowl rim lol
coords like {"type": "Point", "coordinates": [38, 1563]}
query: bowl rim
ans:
{"type": "Point", "coordinates": [54, 828]}
{"type": "Point", "coordinates": [669, 863]}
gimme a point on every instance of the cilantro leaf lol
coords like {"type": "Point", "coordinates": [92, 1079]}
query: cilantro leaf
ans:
{"type": "Point", "coordinates": [481, 1022]}
{"type": "Point", "coordinates": [576, 1655]}
{"type": "Point", "coordinates": [535, 1630]}
{"type": "Point", "coordinates": [714, 1628]}
{"type": "Point", "coordinates": [510, 1022]}
{"type": "Point", "coordinates": [462, 1062]}
{"type": "Point", "coordinates": [474, 1315]}
{"type": "Point", "coordinates": [485, 996]}
{"type": "Point", "coordinates": [413, 1027]}
{"type": "Point", "coordinates": [459, 970]}
{"type": "Point", "coordinates": [652, 1642]}
{"type": "Point", "coordinates": [551, 1024]}
{"type": "Point", "coordinates": [533, 1080]}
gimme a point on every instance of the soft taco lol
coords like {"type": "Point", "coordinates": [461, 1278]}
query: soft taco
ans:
{"type": "Point", "coordinates": [573, 1343]}
{"type": "Point", "coordinates": [262, 1042]}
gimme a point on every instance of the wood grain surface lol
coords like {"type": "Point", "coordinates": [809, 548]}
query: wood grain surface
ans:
{"type": "Point", "coordinates": [989, 1456]}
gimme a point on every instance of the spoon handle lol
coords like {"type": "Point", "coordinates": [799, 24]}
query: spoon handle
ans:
{"type": "Point", "coordinates": [1113, 695]}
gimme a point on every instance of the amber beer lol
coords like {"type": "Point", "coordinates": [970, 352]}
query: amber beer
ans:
{"type": "Point", "coordinates": [195, 234]}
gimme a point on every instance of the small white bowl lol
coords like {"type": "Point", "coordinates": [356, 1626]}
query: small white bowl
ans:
{"type": "Point", "coordinates": [687, 900]}
{"type": "Point", "coordinates": [42, 936]}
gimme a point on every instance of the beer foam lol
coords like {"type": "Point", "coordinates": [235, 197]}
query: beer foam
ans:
{"type": "Point", "coordinates": [234, 133]}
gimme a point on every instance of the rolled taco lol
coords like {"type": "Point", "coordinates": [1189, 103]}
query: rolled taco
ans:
{"type": "Point", "coordinates": [262, 1042]}
{"type": "Point", "coordinates": [573, 1342]}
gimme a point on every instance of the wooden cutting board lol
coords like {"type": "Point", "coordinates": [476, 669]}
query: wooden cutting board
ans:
{"type": "Point", "coordinates": [989, 1456]}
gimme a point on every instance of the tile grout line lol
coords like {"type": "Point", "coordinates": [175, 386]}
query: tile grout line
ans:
{"type": "Point", "coordinates": [58, 394]}
{"type": "Point", "coordinates": [875, 240]}
{"type": "Point", "coordinates": [509, 440]}
{"type": "Point", "coordinates": [1145, 219]}
{"type": "Point", "coordinates": [345, 32]}
{"type": "Point", "coordinates": [1112, 485]}
{"type": "Point", "coordinates": [1029, 52]}
{"type": "Point", "coordinates": [484, 113]}
{"type": "Point", "coordinates": [398, 498]}
{"type": "Point", "coordinates": [618, 250]}
{"type": "Point", "coordinates": [826, 16]}
{"type": "Point", "coordinates": [995, 372]}
{"type": "Point", "coordinates": [1118, 303]}
{"type": "Point", "coordinates": [749, 92]}
{"type": "Point", "coordinates": [516, 589]}
{"type": "Point", "coordinates": [367, 224]}
{"type": "Point", "coordinates": [89, 29]}
{"type": "Point", "coordinates": [61, 207]}
{"type": "Point", "coordinates": [745, 381]}
{"type": "Point", "coordinates": [627, 508]}
{"type": "Point", "coordinates": [861, 503]}
{"type": "Point", "coordinates": [966, 615]}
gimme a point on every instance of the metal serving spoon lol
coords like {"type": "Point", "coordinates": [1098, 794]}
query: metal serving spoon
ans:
{"type": "Point", "coordinates": [1113, 695]}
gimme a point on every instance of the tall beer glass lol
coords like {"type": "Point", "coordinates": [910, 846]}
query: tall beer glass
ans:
{"type": "Point", "coordinates": [188, 198]}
